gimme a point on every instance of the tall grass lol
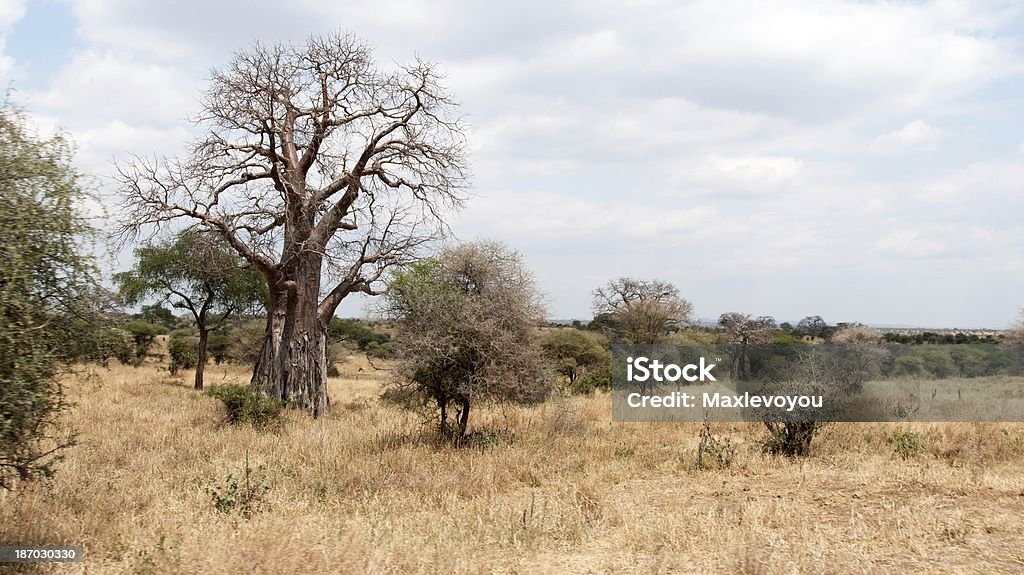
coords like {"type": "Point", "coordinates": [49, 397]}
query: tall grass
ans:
{"type": "Point", "coordinates": [368, 490]}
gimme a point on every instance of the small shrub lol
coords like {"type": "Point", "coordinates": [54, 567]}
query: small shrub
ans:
{"type": "Point", "coordinates": [143, 334]}
{"type": "Point", "coordinates": [377, 350]}
{"type": "Point", "coordinates": [246, 406]}
{"type": "Point", "coordinates": [591, 381]}
{"type": "Point", "coordinates": [245, 495]}
{"type": "Point", "coordinates": [907, 444]}
{"type": "Point", "coordinates": [714, 452]}
{"type": "Point", "coordinates": [404, 397]}
{"type": "Point", "coordinates": [790, 438]}
{"type": "Point", "coordinates": [183, 353]}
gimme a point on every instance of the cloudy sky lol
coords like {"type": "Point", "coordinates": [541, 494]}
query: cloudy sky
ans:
{"type": "Point", "coordinates": [861, 161]}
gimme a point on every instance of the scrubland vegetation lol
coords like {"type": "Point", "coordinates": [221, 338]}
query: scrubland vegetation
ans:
{"type": "Point", "coordinates": [551, 488]}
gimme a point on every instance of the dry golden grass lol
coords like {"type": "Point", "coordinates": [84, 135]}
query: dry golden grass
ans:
{"type": "Point", "coordinates": [552, 489]}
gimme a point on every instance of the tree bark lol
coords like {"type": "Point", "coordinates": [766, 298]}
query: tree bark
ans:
{"type": "Point", "coordinates": [442, 402]}
{"type": "Point", "coordinates": [204, 338]}
{"type": "Point", "coordinates": [463, 415]}
{"type": "Point", "coordinates": [292, 365]}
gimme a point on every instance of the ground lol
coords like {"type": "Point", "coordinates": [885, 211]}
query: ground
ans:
{"type": "Point", "coordinates": [557, 488]}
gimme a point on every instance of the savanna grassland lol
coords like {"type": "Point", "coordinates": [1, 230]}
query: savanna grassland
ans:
{"type": "Point", "coordinates": [556, 488]}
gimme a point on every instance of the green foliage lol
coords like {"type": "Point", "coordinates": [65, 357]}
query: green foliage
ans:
{"type": "Point", "coordinates": [183, 353]}
{"type": "Point", "coordinates": [46, 285]}
{"type": "Point", "coordinates": [196, 272]}
{"type": "Point", "coordinates": [159, 315]}
{"type": "Point", "coordinates": [247, 341]}
{"type": "Point", "coordinates": [356, 332]}
{"type": "Point", "coordinates": [907, 444]}
{"type": "Point", "coordinates": [99, 343]}
{"type": "Point", "coordinates": [593, 380]}
{"type": "Point", "coordinates": [380, 350]}
{"type": "Point", "coordinates": [218, 346]}
{"type": "Point", "coordinates": [814, 326]}
{"type": "Point", "coordinates": [574, 353]}
{"type": "Point", "coordinates": [784, 337]}
{"type": "Point", "coordinates": [243, 405]}
{"type": "Point", "coordinates": [143, 334]}
{"type": "Point", "coordinates": [246, 495]}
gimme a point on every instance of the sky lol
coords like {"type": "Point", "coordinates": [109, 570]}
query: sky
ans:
{"type": "Point", "coordinates": [862, 161]}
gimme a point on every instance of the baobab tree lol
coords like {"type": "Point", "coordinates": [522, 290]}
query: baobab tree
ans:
{"type": "Point", "coordinates": [743, 330]}
{"type": "Point", "coordinates": [643, 310]}
{"type": "Point", "coordinates": [321, 170]}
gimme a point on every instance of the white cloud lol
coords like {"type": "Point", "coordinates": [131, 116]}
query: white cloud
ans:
{"type": "Point", "coordinates": [911, 244]}
{"type": "Point", "coordinates": [837, 55]}
{"type": "Point", "coordinates": [916, 135]}
{"type": "Point", "coordinates": [741, 174]}
{"type": "Point", "coordinates": [10, 12]}
{"type": "Point", "coordinates": [99, 146]}
{"type": "Point", "coordinates": [101, 86]}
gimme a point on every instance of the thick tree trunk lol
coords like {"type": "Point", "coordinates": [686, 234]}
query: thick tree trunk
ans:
{"type": "Point", "coordinates": [204, 338]}
{"type": "Point", "coordinates": [292, 365]}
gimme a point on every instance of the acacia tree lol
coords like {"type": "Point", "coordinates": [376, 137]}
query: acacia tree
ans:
{"type": "Point", "coordinates": [323, 172]}
{"type": "Point", "coordinates": [47, 285]}
{"type": "Point", "coordinates": [468, 321]}
{"type": "Point", "coordinates": [574, 352]}
{"type": "Point", "coordinates": [198, 273]}
{"type": "Point", "coordinates": [643, 310]}
{"type": "Point", "coordinates": [813, 326]}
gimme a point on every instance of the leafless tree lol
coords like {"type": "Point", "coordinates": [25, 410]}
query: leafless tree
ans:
{"type": "Point", "coordinates": [644, 310]}
{"type": "Point", "coordinates": [320, 169]}
{"type": "Point", "coordinates": [743, 330]}
{"type": "Point", "coordinates": [1015, 335]}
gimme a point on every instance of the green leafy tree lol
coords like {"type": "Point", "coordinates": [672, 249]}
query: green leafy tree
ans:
{"type": "Point", "coordinates": [46, 282]}
{"type": "Point", "coordinates": [158, 314]}
{"type": "Point", "coordinates": [814, 326]}
{"type": "Point", "coordinates": [197, 273]}
{"type": "Point", "coordinates": [574, 352]}
{"type": "Point", "coordinates": [143, 334]}
{"type": "Point", "coordinates": [467, 331]}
